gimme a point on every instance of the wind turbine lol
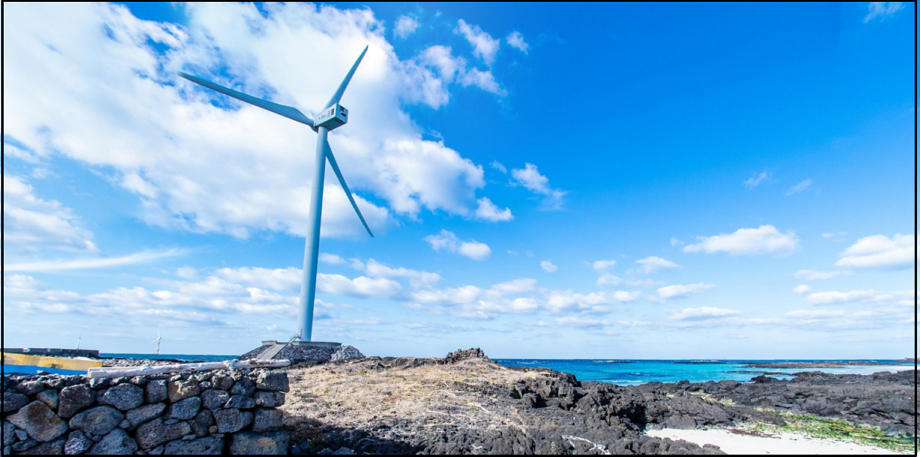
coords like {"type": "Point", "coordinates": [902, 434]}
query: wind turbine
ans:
{"type": "Point", "coordinates": [157, 341]}
{"type": "Point", "coordinates": [332, 116]}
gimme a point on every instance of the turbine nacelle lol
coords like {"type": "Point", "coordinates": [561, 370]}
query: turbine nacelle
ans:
{"type": "Point", "coordinates": [331, 118]}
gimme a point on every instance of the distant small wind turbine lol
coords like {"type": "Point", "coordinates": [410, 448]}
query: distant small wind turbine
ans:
{"type": "Point", "coordinates": [331, 117]}
{"type": "Point", "coordinates": [157, 341]}
{"type": "Point", "coordinates": [78, 341]}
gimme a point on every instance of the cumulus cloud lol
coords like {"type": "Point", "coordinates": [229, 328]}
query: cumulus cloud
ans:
{"type": "Point", "coordinates": [608, 279]}
{"type": "Point", "coordinates": [879, 252]}
{"type": "Point", "coordinates": [904, 297]}
{"type": "Point", "coordinates": [882, 10]}
{"type": "Point", "coordinates": [654, 264]}
{"type": "Point", "coordinates": [166, 153]}
{"type": "Point", "coordinates": [451, 243]}
{"type": "Point", "coordinates": [405, 26]}
{"type": "Point", "coordinates": [516, 40]}
{"type": "Point", "coordinates": [813, 314]}
{"type": "Point", "coordinates": [676, 242]}
{"type": "Point", "coordinates": [755, 180]}
{"type": "Point", "coordinates": [484, 46]}
{"type": "Point", "coordinates": [799, 187]}
{"type": "Point", "coordinates": [765, 239]}
{"type": "Point", "coordinates": [682, 290]}
{"type": "Point", "coordinates": [31, 223]}
{"type": "Point", "coordinates": [516, 287]}
{"type": "Point", "coordinates": [416, 278]}
{"type": "Point", "coordinates": [548, 266]}
{"type": "Point", "coordinates": [498, 166]}
{"type": "Point", "coordinates": [487, 211]}
{"type": "Point", "coordinates": [530, 178]}
{"type": "Point", "coordinates": [702, 313]}
{"type": "Point", "coordinates": [601, 265]}
{"type": "Point", "coordinates": [802, 289]}
{"type": "Point", "coordinates": [811, 275]}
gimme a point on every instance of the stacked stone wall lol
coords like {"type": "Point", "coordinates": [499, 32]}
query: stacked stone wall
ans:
{"type": "Point", "coordinates": [210, 413]}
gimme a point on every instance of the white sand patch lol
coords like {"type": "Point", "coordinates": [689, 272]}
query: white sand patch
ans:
{"type": "Point", "coordinates": [786, 443]}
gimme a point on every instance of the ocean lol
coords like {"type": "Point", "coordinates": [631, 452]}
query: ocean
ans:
{"type": "Point", "coordinates": [614, 371]}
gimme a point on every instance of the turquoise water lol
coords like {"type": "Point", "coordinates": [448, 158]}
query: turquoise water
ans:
{"type": "Point", "coordinates": [632, 372]}
{"type": "Point", "coordinates": [622, 372]}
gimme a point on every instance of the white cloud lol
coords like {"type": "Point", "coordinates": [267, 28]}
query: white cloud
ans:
{"type": "Point", "coordinates": [548, 266]}
{"type": "Point", "coordinates": [487, 211]}
{"type": "Point", "coordinates": [904, 297]}
{"type": "Point", "coordinates": [799, 187]}
{"type": "Point", "coordinates": [449, 242]}
{"type": "Point", "coordinates": [405, 26]}
{"type": "Point", "coordinates": [827, 298]}
{"type": "Point", "coordinates": [516, 40]}
{"type": "Point", "coordinates": [358, 287]}
{"type": "Point", "coordinates": [676, 242]}
{"type": "Point", "coordinates": [813, 314]}
{"type": "Point", "coordinates": [416, 278]}
{"type": "Point", "coordinates": [530, 177]}
{"type": "Point", "coordinates": [802, 289]}
{"type": "Point", "coordinates": [516, 287]}
{"type": "Point", "coordinates": [882, 10]}
{"type": "Point", "coordinates": [678, 290]}
{"type": "Point", "coordinates": [580, 322]}
{"type": "Point", "coordinates": [484, 46]}
{"type": "Point", "coordinates": [654, 264]}
{"type": "Point", "coordinates": [762, 240]}
{"type": "Point", "coordinates": [92, 263]}
{"type": "Point", "coordinates": [601, 265]}
{"type": "Point", "coordinates": [879, 252]}
{"type": "Point", "coordinates": [498, 166]}
{"type": "Point", "coordinates": [187, 272]}
{"type": "Point", "coordinates": [812, 275]}
{"type": "Point", "coordinates": [162, 137]}
{"type": "Point", "coordinates": [703, 313]}
{"type": "Point", "coordinates": [754, 181]}
{"type": "Point", "coordinates": [608, 279]}
{"type": "Point", "coordinates": [31, 223]}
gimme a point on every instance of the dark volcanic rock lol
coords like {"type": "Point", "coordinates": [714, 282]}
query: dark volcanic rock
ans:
{"type": "Point", "coordinates": [249, 443]}
{"type": "Point", "coordinates": [74, 398]}
{"type": "Point", "coordinates": [13, 401]}
{"type": "Point", "coordinates": [232, 420]}
{"type": "Point", "coordinates": [38, 421]}
{"type": "Point", "coordinates": [77, 443]}
{"type": "Point", "coordinates": [202, 423]}
{"type": "Point", "coordinates": [184, 409]}
{"type": "Point", "coordinates": [50, 448]}
{"type": "Point", "coordinates": [200, 446]}
{"type": "Point", "coordinates": [244, 387]}
{"type": "Point", "coordinates": [267, 420]}
{"type": "Point", "coordinates": [116, 443]}
{"type": "Point", "coordinates": [156, 391]}
{"type": "Point", "coordinates": [48, 397]}
{"type": "Point", "coordinates": [273, 381]}
{"type": "Point", "coordinates": [144, 414]}
{"type": "Point", "coordinates": [182, 388]}
{"type": "Point", "coordinates": [240, 402]}
{"type": "Point", "coordinates": [268, 399]}
{"type": "Point", "coordinates": [214, 399]}
{"type": "Point", "coordinates": [98, 421]}
{"type": "Point", "coordinates": [461, 355]}
{"type": "Point", "coordinates": [154, 433]}
{"type": "Point", "coordinates": [124, 397]}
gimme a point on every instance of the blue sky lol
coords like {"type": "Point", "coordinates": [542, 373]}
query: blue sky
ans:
{"type": "Point", "coordinates": [545, 181]}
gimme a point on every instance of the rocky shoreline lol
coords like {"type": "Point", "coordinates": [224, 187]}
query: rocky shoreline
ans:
{"type": "Point", "coordinates": [465, 403]}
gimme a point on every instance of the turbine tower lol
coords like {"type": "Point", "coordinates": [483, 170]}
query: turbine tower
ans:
{"type": "Point", "coordinates": [157, 341]}
{"type": "Point", "coordinates": [332, 116]}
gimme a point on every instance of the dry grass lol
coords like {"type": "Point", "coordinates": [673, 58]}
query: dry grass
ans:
{"type": "Point", "coordinates": [353, 395]}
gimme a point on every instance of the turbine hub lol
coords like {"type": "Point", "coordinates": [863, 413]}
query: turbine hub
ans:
{"type": "Point", "coordinates": [332, 118]}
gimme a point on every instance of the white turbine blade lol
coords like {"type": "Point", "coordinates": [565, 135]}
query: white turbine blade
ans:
{"type": "Point", "coordinates": [338, 173]}
{"type": "Point", "coordinates": [286, 111]}
{"type": "Point", "coordinates": [338, 94]}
